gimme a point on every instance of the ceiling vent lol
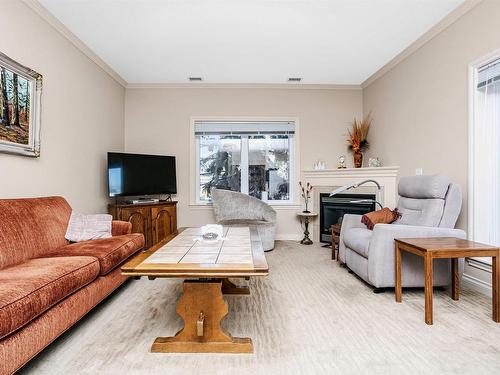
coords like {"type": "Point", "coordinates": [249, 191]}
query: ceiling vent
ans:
{"type": "Point", "coordinates": [195, 79]}
{"type": "Point", "coordinates": [294, 79]}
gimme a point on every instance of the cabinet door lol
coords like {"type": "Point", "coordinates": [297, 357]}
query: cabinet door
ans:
{"type": "Point", "coordinates": [140, 220]}
{"type": "Point", "coordinates": [163, 219]}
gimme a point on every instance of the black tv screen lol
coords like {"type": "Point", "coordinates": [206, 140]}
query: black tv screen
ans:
{"type": "Point", "coordinates": [135, 174]}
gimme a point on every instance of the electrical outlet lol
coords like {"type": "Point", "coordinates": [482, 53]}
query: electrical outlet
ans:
{"type": "Point", "coordinates": [419, 171]}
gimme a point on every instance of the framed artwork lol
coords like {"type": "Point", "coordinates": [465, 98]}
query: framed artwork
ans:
{"type": "Point", "coordinates": [20, 101]}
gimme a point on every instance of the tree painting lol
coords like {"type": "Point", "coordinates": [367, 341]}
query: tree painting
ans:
{"type": "Point", "coordinates": [14, 107]}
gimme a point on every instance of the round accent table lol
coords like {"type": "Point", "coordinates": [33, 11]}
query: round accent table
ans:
{"type": "Point", "coordinates": [307, 217]}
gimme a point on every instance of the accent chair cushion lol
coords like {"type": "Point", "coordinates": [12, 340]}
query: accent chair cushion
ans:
{"type": "Point", "coordinates": [32, 287]}
{"type": "Point", "coordinates": [358, 240]}
{"type": "Point", "coordinates": [244, 222]}
{"type": "Point", "coordinates": [110, 252]}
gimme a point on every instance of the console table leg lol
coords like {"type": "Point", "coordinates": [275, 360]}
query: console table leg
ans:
{"type": "Point", "coordinates": [428, 289]}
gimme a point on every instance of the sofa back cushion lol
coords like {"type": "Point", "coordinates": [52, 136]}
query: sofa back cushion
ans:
{"type": "Point", "coordinates": [31, 227]}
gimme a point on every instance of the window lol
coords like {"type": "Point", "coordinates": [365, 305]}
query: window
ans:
{"type": "Point", "coordinates": [484, 208]}
{"type": "Point", "coordinates": [254, 158]}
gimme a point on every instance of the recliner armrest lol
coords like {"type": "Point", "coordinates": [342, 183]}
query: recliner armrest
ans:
{"type": "Point", "coordinates": [348, 222]}
{"type": "Point", "coordinates": [381, 253]}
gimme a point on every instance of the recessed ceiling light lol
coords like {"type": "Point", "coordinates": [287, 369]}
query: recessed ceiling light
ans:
{"type": "Point", "coordinates": [195, 79]}
{"type": "Point", "coordinates": [294, 79]}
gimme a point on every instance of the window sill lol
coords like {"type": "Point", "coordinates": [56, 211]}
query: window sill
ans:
{"type": "Point", "coordinates": [278, 207]}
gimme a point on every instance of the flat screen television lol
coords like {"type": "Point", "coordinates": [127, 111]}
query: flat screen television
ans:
{"type": "Point", "coordinates": [137, 174]}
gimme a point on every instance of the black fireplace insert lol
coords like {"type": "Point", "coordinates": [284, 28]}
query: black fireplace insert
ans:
{"type": "Point", "coordinates": [333, 209]}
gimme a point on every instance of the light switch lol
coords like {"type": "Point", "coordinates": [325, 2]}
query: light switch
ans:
{"type": "Point", "coordinates": [419, 171]}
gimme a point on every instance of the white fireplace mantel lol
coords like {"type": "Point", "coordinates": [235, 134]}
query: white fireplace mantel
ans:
{"type": "Point", "coordinates": [325, 180]}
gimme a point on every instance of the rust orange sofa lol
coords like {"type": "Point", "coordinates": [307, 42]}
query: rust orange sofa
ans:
{"type": "Point", "coordinates": [46, 283]}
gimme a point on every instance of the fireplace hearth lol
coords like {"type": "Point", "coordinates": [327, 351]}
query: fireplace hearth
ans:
{"type": "Point", "coordinates": [333, 209]}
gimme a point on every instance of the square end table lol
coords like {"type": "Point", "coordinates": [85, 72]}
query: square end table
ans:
{"type": "Point", "coordinates": [447, 248]}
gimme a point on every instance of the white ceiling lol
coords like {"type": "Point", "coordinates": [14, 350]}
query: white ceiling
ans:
{"type": "Point", "coordinates": [248, 41]}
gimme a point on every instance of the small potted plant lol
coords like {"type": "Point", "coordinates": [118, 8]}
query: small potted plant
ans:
{"type": "Point", "coordinates": [306, 194]}
{"type": "Point", "coordinates": [357, 141]}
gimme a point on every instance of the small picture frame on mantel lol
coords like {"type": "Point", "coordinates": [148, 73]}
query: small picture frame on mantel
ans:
{"type": "Point", "coordinates": [20, 108]}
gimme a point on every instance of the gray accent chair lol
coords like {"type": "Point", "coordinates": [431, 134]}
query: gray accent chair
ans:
{"type": "Point", "coordinates": [429, 206]}
{"type": "Point", "coordinates": [237, 209]}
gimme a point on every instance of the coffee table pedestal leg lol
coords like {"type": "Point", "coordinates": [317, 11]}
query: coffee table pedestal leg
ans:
{"type": "Point", "coordinates": [229, 287]}
{"type": "Point", "coordinates": [202, 307]}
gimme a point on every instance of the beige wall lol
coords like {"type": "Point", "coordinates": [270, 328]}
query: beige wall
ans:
{"type": "Point", "coordinates": [82, 115]}
{"type": "Point", "coordinates": [420, 106]}
{"type": "Point", "coordinates": [157, 120]}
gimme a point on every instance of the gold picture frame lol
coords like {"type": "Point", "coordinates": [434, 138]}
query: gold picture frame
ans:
{"type": "Point", "coordinates": [20, 108]}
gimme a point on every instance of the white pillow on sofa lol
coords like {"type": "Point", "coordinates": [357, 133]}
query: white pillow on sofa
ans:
{"type": "Point", "coordinates": [83, 227]}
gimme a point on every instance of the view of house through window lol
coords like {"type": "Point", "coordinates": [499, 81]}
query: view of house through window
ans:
{"type": "Point", "coordinates": [254, 158]}
{"type": "Point", "coordinates": [485, 156]}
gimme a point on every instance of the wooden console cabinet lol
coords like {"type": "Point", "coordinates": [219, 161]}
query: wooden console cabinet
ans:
{"type": "Point", "coordinates": [154, 220]}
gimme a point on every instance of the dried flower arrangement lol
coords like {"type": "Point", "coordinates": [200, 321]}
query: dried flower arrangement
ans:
{"type": "Point", "coordinates": [306, 194]}
{"type": "Point", "coordinates": [357, 141]}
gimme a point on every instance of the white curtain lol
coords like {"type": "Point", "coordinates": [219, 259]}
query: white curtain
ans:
{"type": "Point", "coordinates": [486, 157]}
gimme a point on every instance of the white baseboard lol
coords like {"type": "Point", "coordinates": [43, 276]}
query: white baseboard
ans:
{"type": "Point", "coordinates": [476, 284]}
{"type": "Point", "coordinates": [288, 237]}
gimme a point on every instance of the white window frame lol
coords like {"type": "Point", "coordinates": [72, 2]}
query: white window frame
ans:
{"type": "Point", "coordinates": [478, 262]}
{"type": "Point", "coordinates": [294, 157]}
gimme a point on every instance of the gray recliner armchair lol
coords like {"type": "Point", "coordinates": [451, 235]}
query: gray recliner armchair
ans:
{"type": "Point", "coordinates": [429, 207]}
{"type": "Point", "coordinates": [238, 209]}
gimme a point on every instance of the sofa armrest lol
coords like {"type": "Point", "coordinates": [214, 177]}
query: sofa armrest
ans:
{"type": "Point", "coordinates": [381, 269]}
{"type": "Point", "coordinates": [349, 221]}
{"type": "Point", "coordinates": [119, 228]}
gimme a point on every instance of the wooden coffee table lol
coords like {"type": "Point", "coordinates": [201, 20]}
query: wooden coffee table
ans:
{"type": "Point", "coordinates": [207, 265]}
{"type": "Point", "coordinates": [447, 248]}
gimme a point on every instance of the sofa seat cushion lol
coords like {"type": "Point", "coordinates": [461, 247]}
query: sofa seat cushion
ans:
{"type": "Point", "coordinates": [358, 240]}
{"type": "Point", "coordinates": [111, 252]}
{"type": "Point", "coordinates": [30, 288]}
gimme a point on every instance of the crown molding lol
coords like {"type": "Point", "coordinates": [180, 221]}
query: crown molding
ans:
{"type": "Point", "coordinates": [64, 31]}
{"type": "Point", "coordinates": [447, 21]}
{"type": "Point", "coordinates": [278, 86]}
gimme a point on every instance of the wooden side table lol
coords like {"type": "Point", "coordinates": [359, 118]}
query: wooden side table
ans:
{"type": "Point", "coordinates": [307, 216]}
{"type": "Point", "coordinates": [335, 228]}
{"type": "Point", "coordinates": [447, 248]}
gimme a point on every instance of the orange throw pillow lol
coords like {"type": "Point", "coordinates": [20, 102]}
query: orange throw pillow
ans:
{"type": "Point", "coordinates": [383, 216]}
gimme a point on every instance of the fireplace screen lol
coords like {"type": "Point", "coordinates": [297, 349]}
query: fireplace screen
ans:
{"type": "Point", "coordinates": [333, 209]}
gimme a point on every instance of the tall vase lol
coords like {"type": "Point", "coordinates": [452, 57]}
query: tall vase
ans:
{"type": "Point", "coordinates": [358, 160]}
{"type": "Point", "coordinates": [306, 210]}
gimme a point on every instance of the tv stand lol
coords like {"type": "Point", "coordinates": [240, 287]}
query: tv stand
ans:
{"type": "Point", "coordinates": [155, 220]}
{"type": "Point", "coordinates": [143, 200]}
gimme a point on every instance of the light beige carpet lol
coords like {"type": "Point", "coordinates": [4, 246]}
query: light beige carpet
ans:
{"type": "Point", "coordinates": [310, 316]}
